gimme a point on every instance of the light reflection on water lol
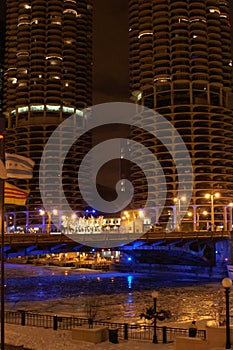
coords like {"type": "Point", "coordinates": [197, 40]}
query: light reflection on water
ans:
{"type": "Point", "coordinates": [120, 296]}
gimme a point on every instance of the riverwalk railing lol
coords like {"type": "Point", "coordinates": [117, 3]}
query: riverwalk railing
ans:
{"type": "Point", "coordinates": [125, 331]}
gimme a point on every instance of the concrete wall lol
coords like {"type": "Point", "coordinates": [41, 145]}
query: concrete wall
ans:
{"type": "Point", "coordinates": [93, 335]}
{"type": "Point", "coordinates": [215, 337]}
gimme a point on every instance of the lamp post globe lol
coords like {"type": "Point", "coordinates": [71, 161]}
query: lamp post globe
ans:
{"type": "Point", "coordinates": [226, 282]}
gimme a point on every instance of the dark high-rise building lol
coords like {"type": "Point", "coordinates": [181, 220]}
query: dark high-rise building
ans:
{"type": "Point", "coordinates": [2, 41]}
{"type": "Point", "coordinates": [181, 63]}
{"type": "Point", "coordinates": [47, 78]}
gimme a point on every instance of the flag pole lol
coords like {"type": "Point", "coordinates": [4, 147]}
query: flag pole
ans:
{"type": "Point", "coordinates": [2, 183]}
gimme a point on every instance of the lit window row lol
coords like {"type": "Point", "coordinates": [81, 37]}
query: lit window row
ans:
{"type": "Point", "coordinates": [20, 70]}
{"type": "Point", "coordinates": [25, 19]}
{"type": "Point", "coordinates": [50, 108]}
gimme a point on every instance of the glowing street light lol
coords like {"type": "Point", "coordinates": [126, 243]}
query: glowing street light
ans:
{"type": "Point", "coordinates": [141, 213]}
{"type": "Point", "coordinates": [212, 197]}
{"type": "Point", "coordinates": [49, 214]}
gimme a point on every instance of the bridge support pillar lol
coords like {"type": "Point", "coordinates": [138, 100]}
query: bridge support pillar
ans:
{"type": "Point", "coordinates": [224, 251]}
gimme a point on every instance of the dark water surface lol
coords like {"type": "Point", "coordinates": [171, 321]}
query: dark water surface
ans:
{"type": "Point", "coordinates": [120, 296]}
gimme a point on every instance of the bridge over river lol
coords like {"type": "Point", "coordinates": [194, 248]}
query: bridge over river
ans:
{"type": "Point", "coordinates": [196, 247]}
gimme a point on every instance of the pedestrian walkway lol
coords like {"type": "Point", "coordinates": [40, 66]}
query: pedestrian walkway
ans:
{"type": "Point", "coordinates": [41, 339]}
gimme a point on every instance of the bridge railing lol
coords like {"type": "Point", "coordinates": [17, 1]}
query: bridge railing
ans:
{"type": "Point", "coordinates": [21, 239]}
{"type": "Point", "coordinates": [125, 331]}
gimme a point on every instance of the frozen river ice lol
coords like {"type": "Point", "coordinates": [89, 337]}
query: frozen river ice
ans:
{"type": "Point", "coordinates": [119, 296]}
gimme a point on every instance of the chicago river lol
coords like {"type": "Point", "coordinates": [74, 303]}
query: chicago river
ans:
{"type": "Point", "coordinates": [119, 297]}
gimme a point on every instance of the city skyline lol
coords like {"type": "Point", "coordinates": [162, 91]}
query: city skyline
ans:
{"type": "Point", "coordinates": [147, 75]}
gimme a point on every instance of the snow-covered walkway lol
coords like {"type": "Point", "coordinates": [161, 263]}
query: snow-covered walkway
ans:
{"type": "Point", "coordinates": [47, 339]}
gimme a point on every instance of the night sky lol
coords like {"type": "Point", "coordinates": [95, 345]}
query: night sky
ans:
{"type": "Point", "coordinates": [111, 50]}
{"type": "Point", "coordinates": [110, 81]}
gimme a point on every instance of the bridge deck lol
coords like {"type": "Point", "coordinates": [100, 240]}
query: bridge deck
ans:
{"type": "Point", "coordinates": [28, 239]}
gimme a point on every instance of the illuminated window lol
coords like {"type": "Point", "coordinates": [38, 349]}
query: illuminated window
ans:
{"type": "Point", "coordinates": [198, 20]}
{"type": "Point", "coordinates": [9, 69]}
{"type": "Point", "coordinates": [53, 57]}
{"type": "Point", "coordinates": [54, 62]}
{"type": "Point", "coordinates": [13, 80]}
{"type": "Point", "coordinates": [34, 21]}
{"type": "Point", "coordinates": [22, 71]}
{"type": "Point", "coordinates": [145, 32]}
{"type": "Point", "coordinates": [78, 112]}
{"type": "Point", "coordinates": [67, 109]}
{"type": "Point", "coordinates": [162, 79]}
{"type": "Point", "coordinates": [22, 53]}
{"type": "Point", "coordinates": [53, 108]}
{"type": "Point", "coordinates": [71, 11]}
{"type": "Point", "coordinates": [183, 20]}
{"type": "Point", "coordinates": [23, 20]}
{"type": "Point", "coordinates": [37, 108]}
{"type": "Point", "coordinates": [213, 10]}
{"type": "Point", "coordinates": [56, 20]}
{"type": "Point", "coordinates": [27, 6]}
{"type": "Point", "coordinates": [23, 109]}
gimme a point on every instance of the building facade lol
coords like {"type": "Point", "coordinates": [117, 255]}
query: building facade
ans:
{"type": "Point", "coordinates": [181, 63]}
{"type": "Point", "coordinates": [2, 44]}
{"type": "Point", "coordinates": [47, 78]}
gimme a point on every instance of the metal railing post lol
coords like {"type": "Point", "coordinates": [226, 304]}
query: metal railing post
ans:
{"type": "Point", "coordinates": [55, 323]}
{"type": "Point", "coordinates": [23, 318]}
{"type": "Point", "coordinates": [126, 328]}
{"type": "Point", "coordinates": [164, 335]}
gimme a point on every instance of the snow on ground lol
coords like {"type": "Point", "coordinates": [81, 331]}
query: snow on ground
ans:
{"type": "Point", "coordinates": [46, 339]}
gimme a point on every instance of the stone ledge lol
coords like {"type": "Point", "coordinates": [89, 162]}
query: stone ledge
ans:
{"type": "Point", "coordinates": [93, 335]}
{"type": "Point", "coordinates": [184, 343]}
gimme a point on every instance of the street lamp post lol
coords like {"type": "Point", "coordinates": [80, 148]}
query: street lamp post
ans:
{"type": "Point", "coordinates": [230, 205]}
{"type": "Point", "coordinates": [227, 283]}
{"type": "Point", "coordinates": [49, 214]}
{"type": "Point", "coordinates": [198, 213]}
{"type": "Point", "coordinates": [155, 296]}
{"type": "Point", "coordinates": [178, 201]}
{"type": "Point", "coordinates": [211, 197]}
